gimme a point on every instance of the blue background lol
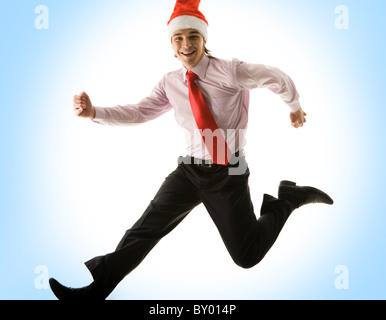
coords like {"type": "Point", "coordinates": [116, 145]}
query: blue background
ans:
{"type": "Point", "coordinates": [70, 188]}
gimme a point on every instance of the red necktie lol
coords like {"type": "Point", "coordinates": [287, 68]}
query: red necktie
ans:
{"type": "Point", "coordinates": [211, 135]}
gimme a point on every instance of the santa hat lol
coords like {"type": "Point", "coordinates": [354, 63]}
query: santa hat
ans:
{"type": "Point", "coordinates": [187, 16]}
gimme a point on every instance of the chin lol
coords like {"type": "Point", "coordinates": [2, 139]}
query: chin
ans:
{"type": "Point", "coordinates": [188, 63]}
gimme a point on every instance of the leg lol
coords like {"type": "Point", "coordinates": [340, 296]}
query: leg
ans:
{"type": "Point", "coordinates": [174, 200]}
{"type": "Point", "coordinates": [247, 238]}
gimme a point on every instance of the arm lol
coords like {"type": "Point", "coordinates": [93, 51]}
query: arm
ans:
{"type": "Point", "coordinates": [149, 108]}
{"type": "Point", "coordinates": [251, 76]}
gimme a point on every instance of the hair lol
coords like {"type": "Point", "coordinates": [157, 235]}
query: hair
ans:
{"type": "Point", "coordinates": [207, 52]}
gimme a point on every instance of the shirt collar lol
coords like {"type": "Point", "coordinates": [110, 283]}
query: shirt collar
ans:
{"type": "Point", "coordinates": [200, 68]}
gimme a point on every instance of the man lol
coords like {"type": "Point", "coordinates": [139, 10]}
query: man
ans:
{"type": "Point", "coordinates": [210, 98]}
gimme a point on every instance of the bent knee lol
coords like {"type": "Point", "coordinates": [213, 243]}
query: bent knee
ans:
{"type": "Point", "coordinates": [247, 262]}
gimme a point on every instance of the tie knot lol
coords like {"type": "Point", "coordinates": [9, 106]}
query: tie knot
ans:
{"type": "Point", "coordinates": [191, 76]}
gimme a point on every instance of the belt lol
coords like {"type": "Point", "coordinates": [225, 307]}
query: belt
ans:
{"type": "Point", "coordinates": [209, 163]}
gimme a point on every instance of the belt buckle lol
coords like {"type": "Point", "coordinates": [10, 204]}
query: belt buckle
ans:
{"type": "Point", "coordinates": [202, 162]}
{"type": "Point", "coordinates": [208, 163]}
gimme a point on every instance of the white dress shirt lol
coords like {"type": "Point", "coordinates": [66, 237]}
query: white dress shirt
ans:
{"type": "Point", "coordinates": [225, 86]}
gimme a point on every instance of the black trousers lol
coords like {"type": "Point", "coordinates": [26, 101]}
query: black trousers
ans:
{"type": "Point", "coordinates": [227, 200]}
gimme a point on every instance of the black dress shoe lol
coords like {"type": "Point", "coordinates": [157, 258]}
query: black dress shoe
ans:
{"type": "Point", "coordinates": [70, 294]}
{"type": "Point", "coordinates": [300, 196]}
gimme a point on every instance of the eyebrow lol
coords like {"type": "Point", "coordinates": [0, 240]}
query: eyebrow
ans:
{"type": "Point", "coordinates": [191, 32]}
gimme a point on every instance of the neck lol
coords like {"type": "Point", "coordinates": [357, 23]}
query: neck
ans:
{"type": "Point", "coordinates": [190, 67]}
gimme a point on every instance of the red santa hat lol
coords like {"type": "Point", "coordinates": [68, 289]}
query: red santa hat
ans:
{"type": "Point", "coordinates": [187, 16]}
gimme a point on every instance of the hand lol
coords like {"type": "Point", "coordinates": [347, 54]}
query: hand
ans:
{"type": "Point", "coordinates": [298, 118]}
{"type": "Point", "coordinates": [83, 107]}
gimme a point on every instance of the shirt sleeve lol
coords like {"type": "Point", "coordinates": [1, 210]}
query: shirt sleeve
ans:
{"type": "Point", "coordinates": [251, 76]}
{"type": "Point", "coordinates": [153, 106]}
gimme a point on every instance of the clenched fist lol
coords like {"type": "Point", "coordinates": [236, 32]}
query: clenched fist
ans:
{"type": "Point", "coordinates": [298, 118]}
{"type": "Point", "coordinates": [83, 107]}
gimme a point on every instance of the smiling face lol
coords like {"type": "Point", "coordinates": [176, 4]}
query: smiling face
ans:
{"type": "Point", "coordinates": [189, 47]}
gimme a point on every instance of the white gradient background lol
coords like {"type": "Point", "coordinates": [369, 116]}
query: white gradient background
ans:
{"type": "Point", "coordinates": [70, 188]}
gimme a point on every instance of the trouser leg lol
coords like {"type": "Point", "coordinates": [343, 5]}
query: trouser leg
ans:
{"type": "Point", "coordinates": [246, 237]}
{"type": "Point", "coordinates": [174, 200]}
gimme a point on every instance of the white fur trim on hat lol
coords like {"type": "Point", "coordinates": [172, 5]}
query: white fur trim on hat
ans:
{"type": "Point", "coordinates": [188, 22]}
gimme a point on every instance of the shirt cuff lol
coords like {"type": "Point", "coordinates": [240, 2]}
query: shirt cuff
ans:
{"type": "Point", "coordinates": [294, 106]}
{"type": "Point", "coordinates": [100, 115]}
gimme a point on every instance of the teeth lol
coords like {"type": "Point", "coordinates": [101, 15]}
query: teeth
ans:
{"type": "Point", "coordinates": [187, 54]}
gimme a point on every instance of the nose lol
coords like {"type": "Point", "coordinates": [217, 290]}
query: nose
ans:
{"type": "Point", "coordinates": [186, 43]}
